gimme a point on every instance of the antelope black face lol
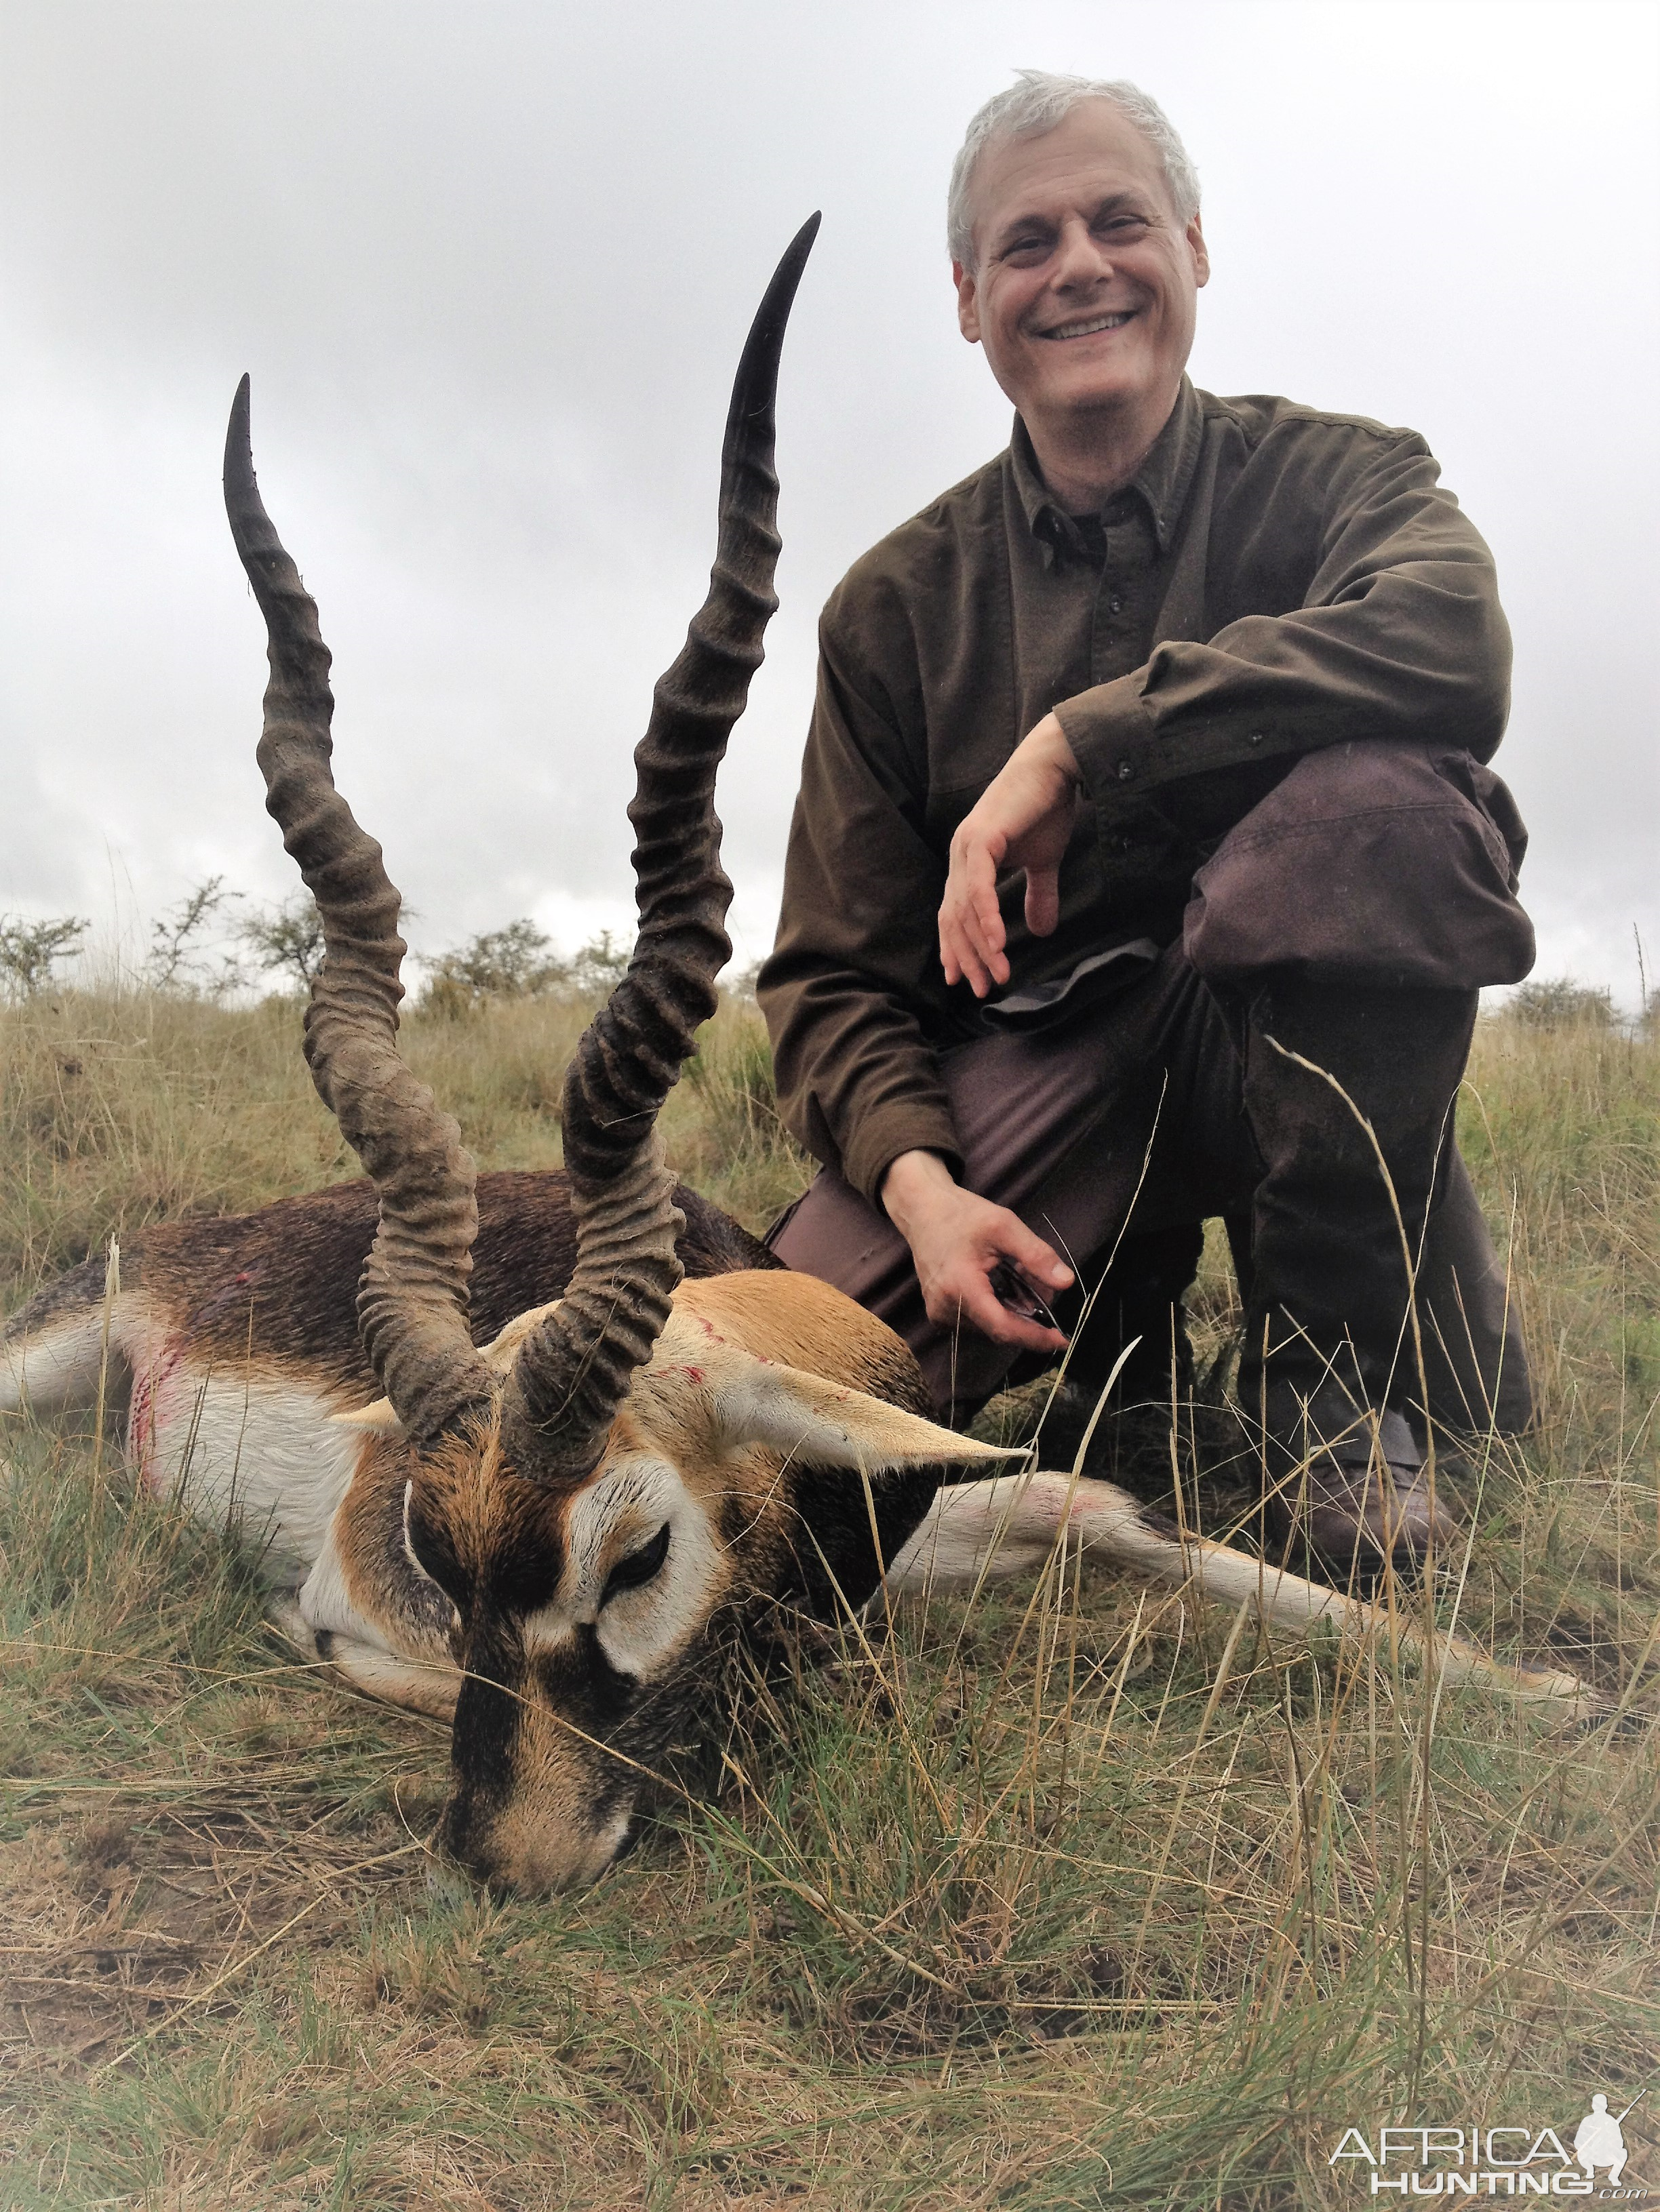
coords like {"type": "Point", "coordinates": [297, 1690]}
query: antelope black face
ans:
{"type": "Point", "coordinates": [596, 1626]}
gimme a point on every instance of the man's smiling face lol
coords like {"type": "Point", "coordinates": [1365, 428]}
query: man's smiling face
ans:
{"type": "Point", "coordinates": [1086, 280]}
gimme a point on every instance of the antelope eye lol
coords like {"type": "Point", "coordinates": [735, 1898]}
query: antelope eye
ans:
{"type": "Point", "coordinates": [636, 1567]}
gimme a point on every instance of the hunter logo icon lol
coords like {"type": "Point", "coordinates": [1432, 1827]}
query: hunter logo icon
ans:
{"type": "Point", "coordinates": [1597, 2140]}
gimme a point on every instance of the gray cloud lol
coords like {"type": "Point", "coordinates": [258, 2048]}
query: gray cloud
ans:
{"type": "Point", "coordinates": [490, 267]}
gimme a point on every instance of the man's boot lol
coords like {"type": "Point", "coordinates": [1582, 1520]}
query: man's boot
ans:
{"type": "Point", "coordinates": [1328, 1367]}
{"type": "Point", "coordinates": [1350, 1486]}
{"type": "Point", "coordinates": [1137, 1304]}
{"type": "Point", "coordinates": [1474, 1360]}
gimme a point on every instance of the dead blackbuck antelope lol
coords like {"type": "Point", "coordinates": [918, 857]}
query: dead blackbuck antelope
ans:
{"type": "Point", "coordinates": [539, 1481]}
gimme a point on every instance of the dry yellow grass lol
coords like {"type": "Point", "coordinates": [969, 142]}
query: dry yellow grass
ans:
{"type": "Point", "coordinates": [120, 1109]}
{"type": "Point", "coordinates": [1031, 1906]}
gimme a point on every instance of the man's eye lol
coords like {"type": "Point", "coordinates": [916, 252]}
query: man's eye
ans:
{"type": "Point", "coordinates": [637, 1567]}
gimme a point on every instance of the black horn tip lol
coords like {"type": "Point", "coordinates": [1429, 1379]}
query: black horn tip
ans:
{"type": "Point", "coordinates": [781, 293]}
{"type": "Point", "coordinates": [758, 370]}
{"type": "Point", "coordinates": [239, 446]}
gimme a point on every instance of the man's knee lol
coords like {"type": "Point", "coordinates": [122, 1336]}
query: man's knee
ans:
{"type": "Point", "coordinates": [1372, 863]}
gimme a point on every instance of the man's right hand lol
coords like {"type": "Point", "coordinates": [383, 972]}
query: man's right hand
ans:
{"type": "Point", "coordinates": [957, 1239]}
{"type": "Point", "coordinates": [1022, 820]}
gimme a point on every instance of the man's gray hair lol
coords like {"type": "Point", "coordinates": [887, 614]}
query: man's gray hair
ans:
{"type": "Point", "coordinates": [1033, 105]}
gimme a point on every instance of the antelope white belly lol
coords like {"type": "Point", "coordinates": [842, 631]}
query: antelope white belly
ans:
{"type": "Point", "coordinates": [261, 1454]}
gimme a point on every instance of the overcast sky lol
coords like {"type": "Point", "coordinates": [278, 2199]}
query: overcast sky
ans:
{"type": "Point", "coordinates": [489, 266]}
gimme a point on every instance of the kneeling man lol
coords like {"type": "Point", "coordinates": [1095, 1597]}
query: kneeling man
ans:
{"type": "Point", "coordinates": [1147, 866]}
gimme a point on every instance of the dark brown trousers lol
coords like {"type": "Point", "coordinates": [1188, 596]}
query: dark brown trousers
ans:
{"type": "Point", "coordinates": [1118, 1132]}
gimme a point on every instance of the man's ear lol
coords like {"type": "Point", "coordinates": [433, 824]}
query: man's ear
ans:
{"type": "Point", "coordinates": [1199, 252]}
{"type": "Point", "coordinates": [967, 302]}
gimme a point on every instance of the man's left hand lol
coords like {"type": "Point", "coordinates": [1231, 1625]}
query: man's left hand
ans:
{"type": "Point", "coordinates": [1022, 820]}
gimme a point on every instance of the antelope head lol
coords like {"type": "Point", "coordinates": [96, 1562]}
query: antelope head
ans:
{"type": "Point", "coordinates": [612, 1495]}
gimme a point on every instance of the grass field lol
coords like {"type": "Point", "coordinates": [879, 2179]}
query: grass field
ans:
{"type": "Point", "coordinates": [1077, 1897]}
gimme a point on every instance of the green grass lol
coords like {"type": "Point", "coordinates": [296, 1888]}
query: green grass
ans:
{"type": "Point", "coordinates": [1026, 1905]}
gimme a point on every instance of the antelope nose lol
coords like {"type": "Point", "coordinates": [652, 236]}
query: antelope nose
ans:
{"type": "Point", "coordinates": [475, 1849]}
{"type": "Point", "coordinates": [517, 1854]}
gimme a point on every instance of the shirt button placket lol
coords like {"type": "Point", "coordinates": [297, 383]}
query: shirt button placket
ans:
{"type": "Point", "coordinates": [1109, 640]}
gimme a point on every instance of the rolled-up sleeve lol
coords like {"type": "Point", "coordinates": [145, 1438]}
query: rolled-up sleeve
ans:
{"type": "Point", "coordinates": [855, 967]}
{"type": "Point", "coordinates": [1393, 631]}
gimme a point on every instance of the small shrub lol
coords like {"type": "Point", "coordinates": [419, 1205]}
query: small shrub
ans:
{"type": "Point", "coordinates": [518, 961]}
{"type": "Point", "coordinates": [29, 951]}
{"type": "Point", "coordinates": [1557, 1002]}
{"type": "Point", "coordinates": [601, 963]}
{"type": "Point", "coordinates": [181, 954]}
{"type": "Point", "coordinates": [286, 940]}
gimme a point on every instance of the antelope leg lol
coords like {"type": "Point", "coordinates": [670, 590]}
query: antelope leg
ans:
{"type": "Point", "coordinates": [1009, 1525]}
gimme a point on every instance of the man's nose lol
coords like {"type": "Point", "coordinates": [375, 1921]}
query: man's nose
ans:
{"type": "Point", "coordinates": [1080, 258]}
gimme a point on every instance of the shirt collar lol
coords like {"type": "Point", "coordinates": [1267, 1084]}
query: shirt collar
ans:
{"type": "Point", "coordinates": [1161, 482]}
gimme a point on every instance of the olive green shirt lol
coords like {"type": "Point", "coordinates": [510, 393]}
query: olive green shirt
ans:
{"type": "Point", "coordinates": [1273, 579]}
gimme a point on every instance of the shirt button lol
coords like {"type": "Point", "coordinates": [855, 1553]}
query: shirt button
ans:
{"type": "Point", "coordinates": [1116, 606]}
{"type": "Point", "coordinates": [1125, 771]}
{"type": "Point", "coordinates": [1256, 737]}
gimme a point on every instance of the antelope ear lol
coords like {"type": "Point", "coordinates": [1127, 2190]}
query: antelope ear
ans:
{"type": "Point", "coordinates": [376, 1420]}
{"type": "Point", "coordinates": [502, 1351]}
{"type": "Point", "coordinates": [858, 1474]}
{"type": "Point", "coordinates": [824, 1424]}
{"type": "Point", "coordinates": [380, 1420]}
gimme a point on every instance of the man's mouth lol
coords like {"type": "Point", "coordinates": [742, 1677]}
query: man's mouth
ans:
{"type": "Point", "coordinates": [1087, 328]}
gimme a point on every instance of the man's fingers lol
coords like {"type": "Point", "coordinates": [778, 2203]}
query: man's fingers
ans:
{"type": "Point", "coordinates": [967, 948]}
{"type": "Point", "coordinates": [958, 957]}
{"type": "Point", "coordinates": [972, 933]}
{"type": "Point", "coordinates": [979, 919]}
{"type": "Point", "coordinates": [1035, 1259]}
{"type": "Point", "coordinates": [960, 1243]}
{"type": "Point", "coordinates": [962, 1289]}
{"type": "Point", "coordinates": [1024, 818]}
{"type": "Point", "coordinates": [982, 900]}
{"type": "Point", "coordinates": [971, 949]}
{"type": "Point", "coordinates": [975, 1303]}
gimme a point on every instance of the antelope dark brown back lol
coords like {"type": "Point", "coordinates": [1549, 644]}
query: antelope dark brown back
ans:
{"type": "Point", "coordinates": [281, 1283]}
